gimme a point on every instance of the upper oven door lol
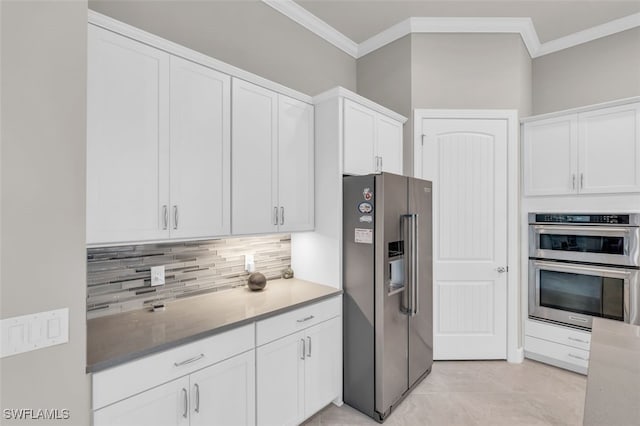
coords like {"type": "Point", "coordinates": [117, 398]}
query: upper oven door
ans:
{"type": "Point", "coordinates": [583, 243]}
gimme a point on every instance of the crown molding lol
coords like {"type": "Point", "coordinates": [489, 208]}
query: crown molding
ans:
{"type": "Point", "coordinates": [590, 34]}
{"type": "Point", "coordinates": [314, 24]}
{"type": "Point", "coordinates": [522, 26]}
{"type": "Point", "coordinates": [417, 25]}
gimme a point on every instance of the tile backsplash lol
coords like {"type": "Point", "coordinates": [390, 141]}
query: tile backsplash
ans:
{"type": "Point", "coordinates": [119, 278]}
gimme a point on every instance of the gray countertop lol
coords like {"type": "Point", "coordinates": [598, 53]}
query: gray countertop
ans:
{"type": "Point", "coordinates": [613, 381]}
{"type": "Point", "coordinates": [115, 339]}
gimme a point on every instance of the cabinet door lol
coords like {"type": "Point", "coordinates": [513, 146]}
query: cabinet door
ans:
{"type": "Point", "coordinates": [550, 156]}
{"type": "Point", "coordinates": [280, 382]}
{"type": "Point", "coordinates": [359, 139]}
{"type": "Point", "coordinates": [322, 365]}
{"type": "Point", "coordinates": [609, 151]}
{"type": "Point", "coordinates": [127, 139]}
{"type": "Point", "coordinates": [254, 158]}
{"type": "Point", "coordinates": [295, 165]}
{"type": "Point", "coordinates": [200, 151]}
{"type": "Point", "coordinates": [224, 394]}
{"type": "Point", "coordinates": [389, 145]}
{"type": "Point", "coordinates": [165, 405]}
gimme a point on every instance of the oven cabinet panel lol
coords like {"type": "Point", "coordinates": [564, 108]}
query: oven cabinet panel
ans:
{"type": "Point", "coordinates": [558, 334]}
{"type": "Point", "coordinates": [550, 160]}
{"type": "Point", "coordinates": [609, 150]}
{"type": "Point", "coordinates": [552, 353]}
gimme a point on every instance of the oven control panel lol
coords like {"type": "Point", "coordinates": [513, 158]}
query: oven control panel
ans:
{"type": "Point", "coordinates": [612, 219]}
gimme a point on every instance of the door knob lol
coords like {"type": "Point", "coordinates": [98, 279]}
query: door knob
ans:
{"type": "Point", "coordinates": [501, 269]}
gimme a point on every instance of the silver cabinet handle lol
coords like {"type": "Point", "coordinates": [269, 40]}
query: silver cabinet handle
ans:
{"type": "Point", "coordinates": [309, 347]}
{"type": "Point", "coordinates": [303, 350]}
{"type": "Point", "coordinates": [578, 357]}
{"type": "Point", "coordinates": [275, 216]}
{"type": "Point", "coordinates": [577, 340]}
{"type": "Point", "coordinates": [165, 217]}
{"type": "Point", "coordinates": [581, 180]}
{"type": "Point", "coordinates": [310, 317]}
{"type": "Point", "coordinates": [281, 215]}
{"type": "Point", "coordinates": [175, 216]}
{"type": "Point", "coordinates": [197, 388]}
{"type": "Point", "coordinates": [189, 361]}
{"type": "Point", "coordinates": [573, 181]}
{"type": "Point", "coordinates": [186, 403]}
{"type": "Point", "coordinates": [380, 163]}
{"type": "Point", "coordinates": [501, 269]}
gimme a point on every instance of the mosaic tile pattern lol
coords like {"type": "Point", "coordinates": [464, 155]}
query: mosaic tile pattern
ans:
{"type": "Point", "coordinates": [119, 278]}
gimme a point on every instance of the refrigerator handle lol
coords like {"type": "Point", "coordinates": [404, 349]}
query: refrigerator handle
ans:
{"type": "Point", "coordinates": [414, 264]}
{"type": "Point", "coordinates": [410, 234]}
{"type": "Point", "coordinates": [404, 231]}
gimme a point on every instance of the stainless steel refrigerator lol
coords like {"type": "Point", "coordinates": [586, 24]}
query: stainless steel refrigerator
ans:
{"type": "Point", "coordinates": [388, 270]}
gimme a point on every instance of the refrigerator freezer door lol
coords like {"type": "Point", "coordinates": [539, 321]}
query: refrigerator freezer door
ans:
{"type": "Point", "coordinates": [390, 322]}
{"type": "Point", "coordinates": [421, 323]}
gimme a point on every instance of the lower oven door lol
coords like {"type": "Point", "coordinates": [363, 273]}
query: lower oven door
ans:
{"type": "Point", "coordinates": [573, 294]}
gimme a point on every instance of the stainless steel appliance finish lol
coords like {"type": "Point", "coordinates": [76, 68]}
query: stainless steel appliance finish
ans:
{"type": "Point", "coordinates": [583, 266]}
{"type": "Point", "coordinates": [388, 337]}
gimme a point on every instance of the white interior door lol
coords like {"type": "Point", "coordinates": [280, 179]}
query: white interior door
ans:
{"type": "Point", "coordinates": [467, 161]}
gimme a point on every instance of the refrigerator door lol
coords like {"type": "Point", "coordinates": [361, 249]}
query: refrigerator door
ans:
{"type": "Point", "coordinates": [390, 322]}
{"type": "Point", "coordinates": [421, 319]}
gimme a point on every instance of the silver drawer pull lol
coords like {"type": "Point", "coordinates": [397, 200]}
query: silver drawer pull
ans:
{"type": "Point", "coordinates": [573, 339]}
{"type": "Point", "coordinates": [189, 361]}
{"type": "Point", "coordinates": [310, 317]}
{"type": "Point", "coordinates": [578, 357]}
{"type": "Point", "coordinates": [578, 318]}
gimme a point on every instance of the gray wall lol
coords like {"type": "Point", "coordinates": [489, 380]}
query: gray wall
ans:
{"type": "Point", "coordinates": [475, 71]}
{"type": "Point", "coordinates": [384, 76]}
{"type": "Point", "coordinates": [43, 259]}
{"type": "Point", "coordinates": [598, 71]}
{"type": "Point", "coordinates": [458, 71]}
{"type": "Point", "coordinates": [247, 34]}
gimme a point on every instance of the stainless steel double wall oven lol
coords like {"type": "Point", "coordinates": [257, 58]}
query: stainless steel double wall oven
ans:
{"type": "Point", "coordinates": [583, 266]}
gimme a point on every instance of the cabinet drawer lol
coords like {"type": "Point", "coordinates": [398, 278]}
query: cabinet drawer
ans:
{"type": "Point", "coordinates": [555, 351]}
{"type": "Point", "coordinates": [136, 376]}
{"type": "Point", "coordinates": [556, 333]}
{"type": "Point", "coordinates": [298, 319]}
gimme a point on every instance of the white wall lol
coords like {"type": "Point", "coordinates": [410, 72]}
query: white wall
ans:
{"type": "Point", "coordinates": [594, 72]}
{"type": "Point", "coordinates": [247, 34]}
{"type": "Point", "coordinates": [43, 131]}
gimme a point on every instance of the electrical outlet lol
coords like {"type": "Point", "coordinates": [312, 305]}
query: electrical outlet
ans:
{"type": "Point", "coordinates": [157, 275]}
{"type": "Point", "coordinates": [249, 264]}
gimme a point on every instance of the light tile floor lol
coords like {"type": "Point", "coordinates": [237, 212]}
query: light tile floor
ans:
{"type": "Point", "coordinates": [481, 393]}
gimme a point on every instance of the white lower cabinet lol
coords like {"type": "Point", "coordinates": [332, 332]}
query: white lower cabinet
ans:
{"type": "Point", "coordinates": [298, 374]}
{"type": "Point", "coordinates": [164, 405]}
{"type": "Point", "coordinates": [557, 345]}
{"type": "Point", "coordinates": [222, 394]}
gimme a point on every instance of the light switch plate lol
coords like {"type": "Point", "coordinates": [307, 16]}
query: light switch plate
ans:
{"type": "Point", "coordinates": [249, 264]}
{"type": "Point", "coordinates": [157, 275]}
{"type": "Point", "coordinates": [35, 331]}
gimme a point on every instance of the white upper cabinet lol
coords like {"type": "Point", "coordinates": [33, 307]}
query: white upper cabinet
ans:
{"type": "Point", "coordinates": [550, 161]}
{"type": "Point", "coordinates": [158, 144]}
{"type": "Point", "coordinates": [200, 151]}
{"type": "Point", "coordinates": [591, 152]}
{"type": "Point", "coordinates": [372, 141]}
{"type": "Point", "coordinates": [127, 139]}
{"type": "Point", "coordinates": [295, 165]}
{"type": "Point", "coordinates": [272, 170]}
{"type": "Point", "coordinates": [609, 150]}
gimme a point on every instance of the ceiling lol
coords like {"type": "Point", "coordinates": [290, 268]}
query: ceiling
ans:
{"type": "Point", "coordinates": [361, 19]}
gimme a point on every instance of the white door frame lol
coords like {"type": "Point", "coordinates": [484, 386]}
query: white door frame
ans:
{"type": "Point", "coordinates": [515, 352]}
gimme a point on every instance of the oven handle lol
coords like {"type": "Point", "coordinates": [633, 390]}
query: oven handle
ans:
{"type": "Point", "coordinates": [582, 230]}
{"type": "Point", "coordinates": [610, 272]}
